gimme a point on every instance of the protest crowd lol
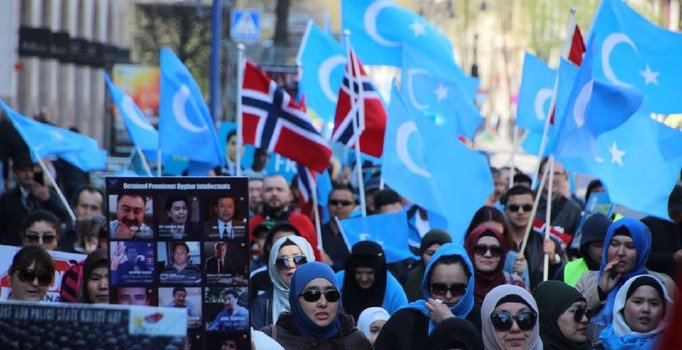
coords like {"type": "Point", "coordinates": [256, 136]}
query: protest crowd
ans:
{"type": "Point", "coordinates": [388, 249]}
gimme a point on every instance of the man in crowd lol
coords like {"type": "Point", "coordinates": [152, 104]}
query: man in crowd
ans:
{"type": "Point", "coordinates": [129, 221]}
{"type": "Point", "coordinates": [89, 203]}
{"type": "Point", "coordinates": [340, 204]}
{"type": "Point", "coordinates": [180, 270]}
{"type": "Point", "coordinates": [565, 211]}
{"type": "Point", "coordinates": [31, 193]}
{"type": "Point", "coordinates": [234, 317]}
{"type": "Point", "coordinates": [255, 196]}
{"type": "Point", "coordinates": [227, 225]}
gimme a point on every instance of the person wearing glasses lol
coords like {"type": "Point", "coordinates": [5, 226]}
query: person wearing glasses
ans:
{"type": "Point", "coordinates": [340, 204]}
{"type": "Point", "coordinates": [316, 320]}
{"type": "Point", "coordinates": [566, 209]}
{"type": "Point", "coordinates": [430, 243]}
{"type": "Point", "coordinates": [563, 316]}
{"type": "Point", "coordinates": [518, 204]}
{"type": "Point", "coordinates": [31, 273]}
{"type": "Point", "coordinates": [288, 254]}
{"type": "Point", "coordinates": [366, 281]}
{"type": "Point", "coordinates": [448, 292]}
{"type": "Point", "coordinates": [487, 248]}
{"type": "Point", "coordinates": [41, 227]}
{"type": "Point", "coordinates": [509, 319]}
{"type": "Point", "coordinates": [638, 315]}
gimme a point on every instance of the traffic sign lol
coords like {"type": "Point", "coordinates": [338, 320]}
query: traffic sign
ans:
{"type": "Point", "coordinates": [245, 25]}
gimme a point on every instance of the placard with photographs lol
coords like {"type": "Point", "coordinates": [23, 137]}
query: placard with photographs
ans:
{"type": "Point", "coordinates": [182, 242]}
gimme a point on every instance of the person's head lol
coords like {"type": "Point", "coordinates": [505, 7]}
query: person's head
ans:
{"type": "Point", "coordinates": [260, 233]}
{"type": "Point", "coordinates": [488, 215]}
{"type": "Point", "coordinates": [179, 296]}
{"type": "Point", "coordinates": [279, 230]}
{"type": "Point", "coordinates": [371, 321]}
{"type": "Point", "coordinates": [365, 264]}
{"type": "Point", "coordinates": [314, 299]}
{"type": "Point", "coordinates": [501, 183]}
{"type": "Point", "coordinates": [89, 231]}
{"type": "Point", "coordinates": [276, 193]}
{"type": "Point", "coordinates": [592, 239]}
{"type": "Point", "coordinates": [95, 285]}
{"type": "Point", "coordinates": [228, 345]}
{"type": "Point", "coordinates": [371, 188]}
{"type": "Point", "coordinates": [387, 201]}
{"type": "Point", "coordinates": [341, 201]}
{"type": "Point", "coordinates": [522, 179]}
{"type": "Point", "coordinates": [641, 305]}
{"type": "Point", "coordinates": [454, 333]}
{"type": "Point", "coordinates": [255, 194]}
{"type": "Point", "coordinates": [231, 140]}
{"type": "Point", "coordinates": [31, 273]}
{"type": "Point", "coordinates": [220, 249]}
{"type": "Point", "coordinates": [225, 208]}
{"type": "Point", "coordinates": [563, 315]}
{"type": "Point", "coordinates": [448, 277]}
{"type": "Point", "coordinates": [509, 319]}
{"type": "Point", "coordinates": [260, 159]}
{"type": "Point", "coordinates": [628, 242]}
{"type": "Point", "coordinates": [132, 296]}
{"type": "Point", "coordinates": [180, 253]}
{"type": "Point", "coordinates": [288, 254]}
{"type": "Point", "coordinates": [675, 204]}
{"type": "Point", "coordinates": [430, 243]}
{"type": "Point", "coordinates": [518, 203]}
{"type": "Point", "coordinates": [130, 209]}
{"type": "Point", "coordinates": [89, 203]}
{"type": "Point", "coordinates": [177, 209]}
{"type": "Point", "coordinates": [231, 301]}
{"type": "Point", "coordinates": [24, 170]}
{"type": "Point", "coordinates": [560, 179]}
{"type": "Point", "coordinates": [41, 227]}
{"type": "Point", "coordinates": [487, 248]}
{"type": "Point", "coordinates": [595, 186]}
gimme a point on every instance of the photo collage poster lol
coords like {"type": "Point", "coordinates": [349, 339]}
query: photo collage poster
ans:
{"type": "Point", "coordinates": [183, 242]}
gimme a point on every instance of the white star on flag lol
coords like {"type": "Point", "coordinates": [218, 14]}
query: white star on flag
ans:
{"type": "Point", "coordinates": [417, 28]}
{"type": "Point", "coordinates": [616, 154]}
{"type": "Point", "coordinates": [650, 77]}
{"type": "Point", "coordinates": [441, 92]}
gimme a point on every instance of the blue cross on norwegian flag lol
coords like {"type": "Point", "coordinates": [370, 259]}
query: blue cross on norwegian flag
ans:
{"type": "Point", "coordinates": [307, 181]}
{"type": "Point", "coordinates": [272, 120]}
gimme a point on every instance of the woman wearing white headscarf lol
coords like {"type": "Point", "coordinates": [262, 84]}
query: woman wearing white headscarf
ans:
{"type": "Point", "coordinates": [371, 320]}
{"type": "Point", "coordinates": [509, 319]}
{"type": "Point", "coordinates": [287, 254]}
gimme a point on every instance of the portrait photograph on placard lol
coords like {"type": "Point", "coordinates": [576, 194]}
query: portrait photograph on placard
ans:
{"type": "Point", "coordinates": [132, 262]}
{"type": "Point", "coordinates": [180, 262]}
{"type": "Point", "coordinates": [134, 295]}
{"type": "Point", "coordinates": [130, 216]}
{"type": "Point", "coordinates": [226, 308]}
{"type": "Point", "coordinates": [225, 262]}
{"type": "Point", "coordinates": [178, 217]}
{"type": "Point", "coordinates": [183, 297]}
{"type": "Point", "coordinates": [227, 218]}
{"type": "Point", "coordinates": [230, 341]}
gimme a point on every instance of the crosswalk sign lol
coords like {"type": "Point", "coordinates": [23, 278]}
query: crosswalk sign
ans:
{"type": "Point", "coordinates": [245, 25]}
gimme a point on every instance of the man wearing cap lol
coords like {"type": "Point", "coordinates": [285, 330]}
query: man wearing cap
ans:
{"type": "Point", "coordinates": [666, 236]}
{"type": "Point", "coordinates": [26, 196]}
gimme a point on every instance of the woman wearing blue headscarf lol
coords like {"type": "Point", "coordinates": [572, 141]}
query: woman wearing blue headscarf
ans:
{"type": "Point", "coordinates": [626, 250]}
{"type": "Point", "coordinates": [448, 287]}
{"type": "Point", "coordinates": [316, 320]}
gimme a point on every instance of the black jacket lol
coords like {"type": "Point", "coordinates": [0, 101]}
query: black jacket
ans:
{"type": "Point", "coordinates": [261, 310]}
{"type": "Point", "coordinates": [291, 339]}
{"type": "Point", "coordinates": [13, 213]}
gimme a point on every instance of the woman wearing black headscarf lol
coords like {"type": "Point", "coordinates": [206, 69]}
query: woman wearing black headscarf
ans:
{"type": "Point", "coordinates": [563, 316]}
{"type": "Point", "coordinates": [366, 281]}
{"type": "Point", "coordinates": [454, 333]}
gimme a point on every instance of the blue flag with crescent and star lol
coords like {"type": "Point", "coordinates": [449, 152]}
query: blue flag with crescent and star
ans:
{"type": "Point", "coordinates": [535, 93]}
{"type": "Point", "coordinates": [185, 125]}
{"type": "Point", "coordinates": [389, 230]}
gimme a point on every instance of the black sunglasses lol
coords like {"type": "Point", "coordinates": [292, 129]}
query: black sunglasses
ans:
{"type": "Point", "coordinates": [481, 249]}
{"type": "Point", "coordinates": [441, 289]}
{"type": "Point", "coordinates": [503, 321]}
{"type": "Point", "coordinates": [29, 275]}
{"type": "Point", "coordinates": [47, 239]}
{"type": "Point", "coordinates": [313, 295]}
{"type": "Point", "coordinates": [285, 261]}
{"type": "Point", "coordinates": [335, 202]}
{"type": "Point", "coordinates": [581, 311]}
{"type": "Point", "coordinates": [515, 207]}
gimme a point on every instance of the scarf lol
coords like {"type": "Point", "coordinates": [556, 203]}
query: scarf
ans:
{"type": "Point", "coordinates": [301, 321]}
{"type": "Point", "coordinates": [454, 333]}
{"type": "Point", "coordinates": [356, 299]}
{"type": "Point", "coordinates": [554, 298]}
{"type": "Point", "coordinates": [485, 281]}
{"type": "Point", "coordinates": [280, 293]}
{"type": "Point", "coordinates": [368, 317]}
{"type": "Point", "coordinates": [490, 303]}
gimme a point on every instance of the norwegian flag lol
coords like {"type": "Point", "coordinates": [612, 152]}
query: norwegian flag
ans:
{"type": "Point", "coordinates": [575, 53]}
{"type": "Point", "coordinates": [562, 237]}
{"type": "Point", "coordinates": [373, 126]}
{"type": "Point", "coordinates": [307, 181]}
{"type": "Point", "coordinates": [271, 119]}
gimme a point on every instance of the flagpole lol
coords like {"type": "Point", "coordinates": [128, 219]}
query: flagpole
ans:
{"type": "Point", "coordinates": [356, 128]}
{"type": "Point", "coordinates": [145, 165]}
{"type": "Point", "coordinates": [158, 163]}
{"type": "Point", "coordinates": [515, 137]}
{"type": "Point", "coordinates": [534, 211]}
{"type": "Point", "coordinates": [240, 82]}
{"type": "Point", "coordinates": [316, 213]}
{"type": "Point", "coordinates": [343, 234]}
{"type": "Point", "coordinates": [57, 189]}
{"type": "Point", "coordinates": [548, 213]}
{"type": "Point", "coordinates": [545, 131]}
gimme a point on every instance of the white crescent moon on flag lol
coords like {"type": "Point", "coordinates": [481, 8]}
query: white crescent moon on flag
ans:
{"type": "Point", "coordinates": [128, 107]}
{"type": "Point", "coordinates": [581, 102]}
{"type": "Point", "coordinates": [370, 21]}
{"type": "Point", "coordinates": [402, 138]}
{"type": "Point", "coordinates": [410, 87]}
{"type": "Point", "coordinates": [540, 98]}
{"type": "Point", "coordinates": [610, 43]}
{"type": "Point", "coordinates": [179, 101]}
{"type": "Point", "coordinates": [324, 74]}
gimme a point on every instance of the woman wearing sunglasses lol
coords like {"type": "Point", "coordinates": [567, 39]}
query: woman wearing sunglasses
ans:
{"type": "Point", "coordinates": [563, 316]}
{"type": "Point", "coordinates": [366, 281]}
{"type": "Point", "coordinates": [41, 227]}
{"type": "Point", "coordinates": [288, 253]}
{"type": "Point", "coordinates": [31, 273]}
{"type": "Point", "coordinates": [638, 315]}
{"type": "Point", "coordinates": [95, 281]}
{"type": "Point", "coordinates": [446, 294]}
{"type": "Point", "coordinates": [509, 317]}
{"type": "Point", "coordinates": [487, 248]}
{"type": "Point", "coordinates": [316, 320]}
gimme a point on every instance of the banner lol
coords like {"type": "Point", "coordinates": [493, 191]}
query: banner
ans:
{"type": "Point", "coordinates": [183, 243]}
